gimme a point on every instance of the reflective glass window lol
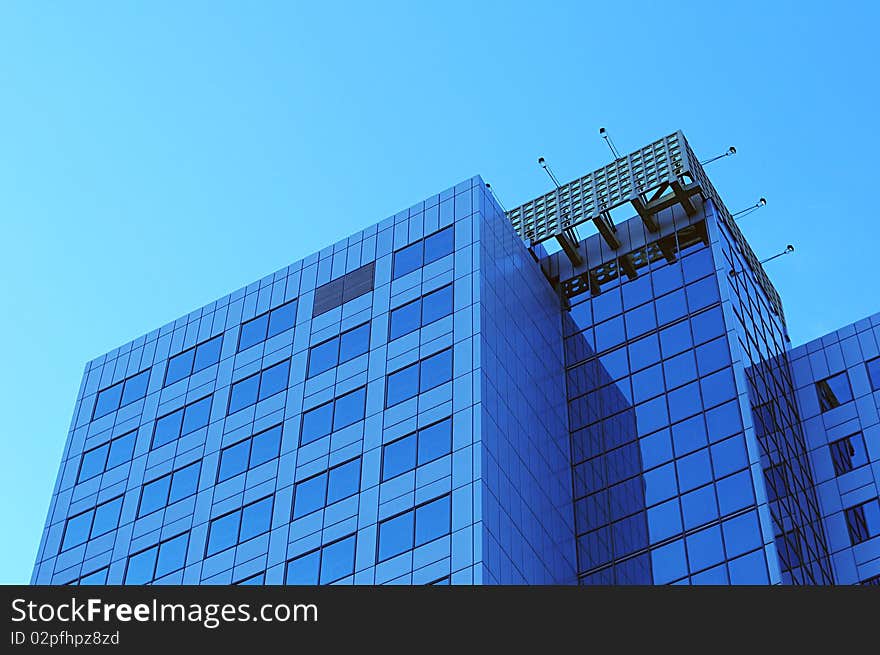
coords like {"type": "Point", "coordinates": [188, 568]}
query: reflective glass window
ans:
{"type": "Point", "coordinates": [154, 495]}
{"type": "Point", "coordinates": [433, 520]}
{"type": "Point", "coordinates": [337, 560]}
{"type": "Point", "coordinates": [282, 318]}
{"type": "Point", "coordinates": [833, 391]}
{"type": "Point", "coordinates": [304, 569]}
{"type": "Point", "coordinates": [253, 332]}
{"type": "Point", "coordinates": [354, 342]}
{"type": "Point", "coordinates": [207, 354]}
{"type": "Point", "coordinates": [344, 481]}
{"type": "Point", "coordinates": [309, 495]}
{"type": "Point", "coordinates": [316, 423]}
{"type": "Point", "coordinates": [223, 532]}
{"type": "Point", "coordinates": [184, 482]}
{"type": "Point", "coordinates": [435, 370]}
{"type": "Point", "coordinates": [405, 319]}
{"type": "Point", "coordinates": [172, 555]}
{"type": "Point", "coordinates": [863, 521]}
{"type": "Point", "coordinates": [874, 373]}
{"type": "Point", "coordinates": [399, 456]}
{"type": "Point", "coordinates": [233, 460]}
{"type": "Point", "coordinates": [256, 519]}
{"type": "Point", "coordinates": [167, 428]}
{"type": "Point", "coordinates": [434, 441]}
{"type": "Point", "coordinates": [848, 453]}
{"type": "Point", "coordinates": [396, 535]}
{"type": "Point", "coordinates": [108, 400]}
{"type": "Point", "coordinates": [323, 357]}
{"type": "Point", "coordinates": [439, 245]}
{"type": "Point", "coordinates": [265, 446]}
{"type": "Point", "coordinates": [244, 393]}
{"type": "Point", "coordinates": [121, 449]}
{"type": "Point", "coordinates": [402, 384]}
{"type": "Point", "coordinates": [274, 379]}
{"type": "Point", "coordinates": [93, 462]}
{"type": "Point", "coordinates": [141, 566]}
{"type": "Point", "coordinates": [77, 530]}
{"type": "Point", "coordinates": [349, 408]}
{"type": "Point", "coordinates": [436, 305]}
{"type": "Point", "coordinates": [196, 415]}
{"type": "Point", "coordinates": [179, 366]}
{"type": "Point", "coordinates": [408, 259]}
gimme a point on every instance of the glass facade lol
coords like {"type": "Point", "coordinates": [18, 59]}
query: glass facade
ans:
{"type": "Point", "coordinates": [431, 402]}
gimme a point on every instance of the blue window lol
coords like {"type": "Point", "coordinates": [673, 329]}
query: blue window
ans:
{"type": "Point", "coordinates": [863, 521]}
{"type": "Point", "coordinates": [418, 448]}
{"type": "Point", "coordinates": [267, 325]}
{"type": "Point", "coordinates": [417, 526]}
{"type": "Point", "coordinates": [106, 456]}
{"type": "Point", "coordinates": [240, 525]}
{"type": "Point", "coordinates": [92, 523]}
{"type": "Point", "coordinates": [193, 360]}
{"type": "Point", "coordinates": [326, 488]}
{"type": "Point", "coordinates": [170, 488]}
{"type": "Point", "coordinates": [274, 379]}
{"type": "Point", "coordinates": [834, 391]}
{"type": "Point", "coordinates": [172, 555]}
{"type": "Point", "coordinates": [182, 421]}
{"type": "Point", "coordinates": [141, 566]}
{"type": "Point", "coordinates": [848, 453]}
{"type": "Point", "coordinates": [258, 579]}
{"type": "Point", "coordinates": [425, 251]}
{"type": "Point", "coordinates": [873, 367]}
{"type": "Point", "coordinates": [99, 577]}
{"type": "Point", "coordinates": [259, 386]}
{"type": "Point", "coordinates": [157, 561]}
{"type": "Point", "coordinates": [234, 460]}
{"type": "Point", "coordinates": [324, 565]}
{"type": "Point", "coordinates": [121, 394]}
{"type": "Point", "coordinates": [265, 446]}
{"type": "Point", "coordinates": [339, 413]}
{"type": "Point", "coordinates": [416, 378]}
{"type": "Point", "coordinates": [340, 349]}
{"type": "Point", "coordinates": [422, 311]}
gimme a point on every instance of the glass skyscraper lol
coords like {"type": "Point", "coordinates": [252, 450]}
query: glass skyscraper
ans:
{"type": "Point", "coordinates": [440, 400]}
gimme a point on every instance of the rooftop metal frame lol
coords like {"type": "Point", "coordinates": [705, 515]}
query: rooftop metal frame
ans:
{"type": "Point", "coordinates": [651, 179]}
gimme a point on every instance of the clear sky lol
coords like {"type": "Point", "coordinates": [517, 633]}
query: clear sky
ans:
{"type": "Point", "coordinates": [156, 156]}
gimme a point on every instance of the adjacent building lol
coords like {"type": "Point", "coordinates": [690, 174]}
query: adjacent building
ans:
{"type": "Point", "coordinates": [439, 400]}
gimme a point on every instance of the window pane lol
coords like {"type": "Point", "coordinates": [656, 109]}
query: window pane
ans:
{"type": "Point", "coordinates": [172, 555]}
{"type": "Point", "coordinates": [395, 535]}
{"type": "Point", "coordinates": [77, 530]}
{"type": "Point", "coordinates": [274, 379]}
{"type": "Point", "coordinates": [304, 570]}
{"type": "Point", "coordinates": [108, 400]}
{"type": "Point", "coordinates": [316, 423]}
{"type": "Point", "coordinates": [344, 481]}
{"type": "Point", "coordinates": [309, 495]}
{"type": "Point", "coordinates": [354, 342]}
{"type": "Point", "coordinates": [834, 391]}
{"type": "Point", "coordinates": [141, 566]}
{"type": "Point", "coordinates": [196, 416]}
{"type": "Point", "coordinates": [433, 520]}
{"type": "Point", "coordinates": [256, 519]}
{"type": "Point", "coordinates": [155, 495]}
{"type": "Point", "coordinates": [848, 453]}
{"type": "Point", "coordinates": [874, 373]}
{"type": "Point", "coordinates": [282, 318]}
{"type": "Point", "coordinates": [436, 305]}
{"type": "Point", "coordinates": [184, 482]}
{"type": "Point", "coordinates": [399, 457]}
{"type": "Point", "coordinates": [244, 393]}
{"type": "Point", "coordinates": [439, 245]}
{"type": "Point", "coordinates": [405, 319]}
{"type": "Point", "coordinates": [349, 408]}
{"type": "Point", "coordinates": [107, 517]}
{"type": "Point", "coordinates": [179, 366]}
{"type": "Point", "coordinates": [323, 357]}
{"type": "Point", "coordinates": [121, 449]}
{"type": "Point", "coordinates": [436, 370]}
{"type": "Point", "coordinates": [265, 446]}
{"type": "Point", "coordinates": [223, 532]}
{"type": "Point", "coordinates": [253, 332]}
{"type": "Point", "coordinates": [234, 460]}
{"type": "Point", "coordinates": [93, 462]}
{"type": "Point", "coordinates": [337, 560]}
{"type": "Point", "coordinates": [208, 353]}
{"type": "Point", "coordinates": [402, 384]}
{"type": "Point", "coordinates": [408, 259]}
{"type": "Point", "coordinates": [135, 388]}
{"type": "Point", "coordinates": [258, 579]}
{"type": "Point", "coordinates": [435, 441]}
{"type": "Point", "coordinates": [167, 428]}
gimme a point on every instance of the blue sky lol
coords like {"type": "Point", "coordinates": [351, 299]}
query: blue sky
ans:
{"type": "Point", "coordinates": [155, 156]}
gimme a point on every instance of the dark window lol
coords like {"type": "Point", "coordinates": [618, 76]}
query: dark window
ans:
{"type": "Point", "coordinates": [324, 565]}
{"type": "Point", "coordinates": [422, 311]}
{"type": "Point", "coordinates": [348, 287]}
{"type": "Point", "coordinates": [170, 488]}
{"type": "Point", "coordinates": [418, 448]}
{"type": "Point", "coordinates": [235, 527]}
{"type": "Point", "coordinates": [326, 488]}
{"type": "Point", "coordinates": [335, 351]}
{"type": "Point", "coordinates": [157, 561]}
{"type": "Point", "coordinates": [322, 420]}
{"type": "Point", "coordinates": [182, 421]}
{"type": "Point", "coordinates": [259, 386]}
{"type": "Point", "coordinates": [267, 325]}
{"type": "Point", "coordinates": [874, 373]}
{"type": "Point", "coordinates": [193, 360]}
{"type": "Point", "coordinates": [92, 523]}
{"type": "Point", "coordinates": [870, 582]}
{"type": "Point", "coordinates": [121, 394]}
{"type": "Point", "coordinates": [848, 453]}
{"type": "Point", "coordinates": [106, 456]}
{"type": "Point", "coordinates": [833, 391]}
{"type": "Point", "coordinates": [419, 377]}
{"type": "Point", "coordinates": [253, 451]}
{"type": "Point", "coordinates": [415, 527]}
{"type": "Point", "coordinates": [863, 521]}
{"type": "Point", "coordinates": [422, 252]}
